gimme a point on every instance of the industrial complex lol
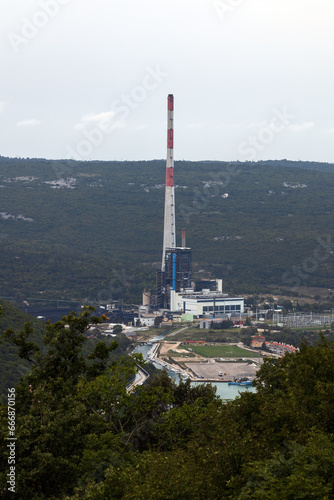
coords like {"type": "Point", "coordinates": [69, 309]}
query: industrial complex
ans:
{"type": "Point", "coordinates": [201, 303]}
{"type": "Point", "coordinates": [176, 291]}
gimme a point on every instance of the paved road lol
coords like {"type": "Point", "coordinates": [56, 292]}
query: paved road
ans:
{"type": "Point", "coordinates": [141, 376]}
{"type": "Point", "coordinates": [177, 331]}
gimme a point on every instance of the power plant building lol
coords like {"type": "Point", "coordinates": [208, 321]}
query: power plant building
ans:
{"type": "Point", "coordinates": [175, 291]}
{"type": "Point", "coordinates": [176, 263]}
{"type": "Point", "coordinates": [207, 303]}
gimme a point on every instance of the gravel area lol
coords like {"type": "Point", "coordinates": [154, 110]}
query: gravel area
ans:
{"type": "Point", "coordinates": [211, 370]}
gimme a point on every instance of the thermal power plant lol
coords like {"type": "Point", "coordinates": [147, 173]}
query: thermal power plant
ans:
{"type": "Point", "coordinates": [177, 274]}
{"type": "Point", "coordinates": [169, 219]}
{"type": "Point", "coordinates": [175, 271]}
{"type": "Point", "coordinates": [174, 281]}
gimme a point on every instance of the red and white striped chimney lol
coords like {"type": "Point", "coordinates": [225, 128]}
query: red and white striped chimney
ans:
{"type": "Point", "coordinates": [169, 221]}
{"type": "Point", "coordinates": [183, 238]}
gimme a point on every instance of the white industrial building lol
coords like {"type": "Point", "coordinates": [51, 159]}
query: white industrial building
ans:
{"type": "Point", "coordinates": [146, 320]}
{"type": "Point", "coordinates": [206, 303]}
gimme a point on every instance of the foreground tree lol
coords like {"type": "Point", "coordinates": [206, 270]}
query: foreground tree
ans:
{"type": "Point", "coordinates": [82, 434]}
{"type": "Point", "coordinates": [75, 416]}
{"type": "Point", "coordinates": [56, 423]}
{"type": "Point", "coordinates": [299, 471]}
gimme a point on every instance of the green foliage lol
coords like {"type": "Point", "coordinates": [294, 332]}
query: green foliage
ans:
{"type": "Point", "coordinates": [248, 321]}
{"type": "Point", "coordinates": [82, 434]}
{"type": "Point", "coordinates": [298, 472]}
{"type": "Point", "coordinates": [56, 403]}
{"type": "Point", "coordinates": [117, 329]}
{"type": "Point", "coordinates": [12, 367]}
{"type": "Point", "coordinates": [224, 325]}
{"type": "Point", "coordinates": [75, 417]}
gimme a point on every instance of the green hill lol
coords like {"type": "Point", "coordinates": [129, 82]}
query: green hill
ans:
{"type": "Point", "coordinates": [93, 230]}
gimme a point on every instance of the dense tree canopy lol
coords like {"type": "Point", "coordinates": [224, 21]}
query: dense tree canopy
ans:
{"type": "Point", "coordinates": [82, 434]}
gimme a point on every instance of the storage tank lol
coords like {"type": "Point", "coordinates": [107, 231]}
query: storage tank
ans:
{"type": "Point", "coordinates": [146, 298]}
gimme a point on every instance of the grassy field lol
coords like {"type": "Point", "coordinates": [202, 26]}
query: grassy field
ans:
{"type": "Point", "coordinates": [222, 351]}
{"type": "Point", "coordinates": [193, 333]}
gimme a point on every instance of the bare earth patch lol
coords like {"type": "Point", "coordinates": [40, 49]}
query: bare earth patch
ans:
{"type": "Point", "coordinates": [166, 346]}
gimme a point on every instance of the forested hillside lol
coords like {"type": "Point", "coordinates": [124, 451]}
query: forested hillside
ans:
{"type": "Point", "coordinates": [93, 230]}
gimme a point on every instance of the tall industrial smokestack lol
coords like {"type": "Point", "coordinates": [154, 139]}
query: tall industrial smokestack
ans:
{"type": "Point", "coordinates": [169, 222]}
{"type": "Point", "coordinates": [183, 238]}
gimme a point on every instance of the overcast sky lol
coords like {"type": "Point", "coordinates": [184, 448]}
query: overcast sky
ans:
{"type": "Point", "coordinates": [84, 79]}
